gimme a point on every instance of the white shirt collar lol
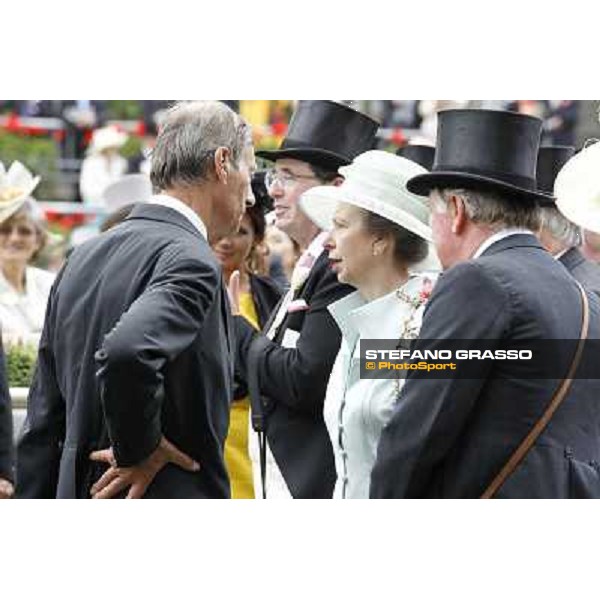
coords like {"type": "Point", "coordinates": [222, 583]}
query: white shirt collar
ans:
{"type": "Point", "coordinates": [500, 235]}
{"type": "Point", "coordinates": [181, 208]}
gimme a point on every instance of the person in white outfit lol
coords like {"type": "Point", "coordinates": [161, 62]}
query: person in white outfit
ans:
{"type": "Point", "coordinates": [103, 165]}
{"type": "Point", "coordinates": [379, 244]}
{"type": "Point", "coordinates": [24, 289]}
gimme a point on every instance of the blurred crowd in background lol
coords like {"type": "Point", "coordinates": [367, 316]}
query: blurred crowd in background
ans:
{"type": "Point", "coordinates": [72, 170]}
{"type": "Point", "coordinates": [81, 148]}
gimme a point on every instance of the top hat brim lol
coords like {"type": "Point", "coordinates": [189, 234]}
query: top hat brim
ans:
{"type": "Point", "coordinates": [313, 156]}
{"type": "Point", "coordinates": [423, 184]}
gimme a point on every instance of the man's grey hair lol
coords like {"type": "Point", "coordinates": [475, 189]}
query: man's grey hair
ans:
{"type": "Point", "coordinates": [190, 134]}
{"type": "Point", "coordinates": [492, 209]}
{"type": "Point", "coordinates": [559, 227]}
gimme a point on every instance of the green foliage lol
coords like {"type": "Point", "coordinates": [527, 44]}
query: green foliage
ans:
{"type": "Point", "coordinates": [20, 364]}
{"type": "Point", "coordinates": [132, 147]}
{"type": "Point", "coordinates": [39, 154]}
{"type": "Point", "coordinates": [124, 110]}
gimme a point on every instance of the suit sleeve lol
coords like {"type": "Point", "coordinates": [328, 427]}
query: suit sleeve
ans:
{"type": "Point", "coordinates": [158, 326]}
{"type": "Point", "coordinates": [298, 376]}
{"type": "Point", "coordinates": [467, 304]}
{"type": "Point", "coordinates": [40, 446]}
{"type": "Point", "coordinates": [6, 424]}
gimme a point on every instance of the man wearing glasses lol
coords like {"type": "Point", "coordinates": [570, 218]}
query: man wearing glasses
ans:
{"type": "Point", "coordinates": [288, 365]}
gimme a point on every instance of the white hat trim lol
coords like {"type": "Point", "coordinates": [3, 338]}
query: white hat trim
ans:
{"type": "Point", "coordinates": [577, 188]}
{"type": "Point", "coordinates": [320, 203]}
{"type": "Point", "coordinates": [375, 181]}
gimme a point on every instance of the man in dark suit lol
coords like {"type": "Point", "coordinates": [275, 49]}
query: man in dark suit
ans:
{"type": "Point", "coordinates": [450, 437]}
{"type": "Point", "coordinates": [560, 236]}
{"type": "Point", "coordinates": [136, 351]}
{"type": "Point", "coordinates": [6, 433]}
{"type": "Point", "coordinates": [292, 360]}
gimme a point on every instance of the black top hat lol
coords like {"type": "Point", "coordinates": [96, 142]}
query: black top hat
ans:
{"type": "Point", "coordinates": [326, 134]}
{"type": "Point", "coordinates": [550, 161]}
{"type": "Point", "coordinates": [485, 149]}
{"type": "Point", "coordinates": [422, 155]}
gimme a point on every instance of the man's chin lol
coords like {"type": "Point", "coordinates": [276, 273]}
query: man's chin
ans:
{"type": "Point", "coordinates": [283, 225]}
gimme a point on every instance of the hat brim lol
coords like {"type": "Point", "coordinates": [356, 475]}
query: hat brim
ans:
{"type": "Point", "coordinates": [585, 213]}
{"type": "Point", "coordinates": [322, 158]}
{"type": "Point", "coordinates": [320, 203]}
{"type": "Point", "coordinates": [423, 184]}
{"type": "Point", "coordinates": [577, 189]}
{"type": "Point", "coordinates": [9, 209]}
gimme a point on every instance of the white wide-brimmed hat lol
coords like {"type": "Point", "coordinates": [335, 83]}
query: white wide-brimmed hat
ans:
{"type": "Point", "coordinates": [135, 187]}
{"type": "Point", "coordinates": [107, 137]}
{"type": "Point", "coordinates": [375, 181]}
{"type": "Point", "coordinates": [16, 186]}
{"type": "Point", "coordinates": [577, 188]}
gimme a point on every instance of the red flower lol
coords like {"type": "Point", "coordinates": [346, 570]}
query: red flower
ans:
{"type": "Point", "coordinates": [279, 128]}
{"type": "Point", "coordinates": [426, 290]}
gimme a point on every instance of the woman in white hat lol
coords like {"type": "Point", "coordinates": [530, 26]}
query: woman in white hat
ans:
{"type": "Point", "coordinates": [24, 289]}
{"type": "Point", "coordinates": [378, 243]}
{"type": "Point", "coordinates": [103, 165]}
{"type": "Point", "coordinates": [577, 191]}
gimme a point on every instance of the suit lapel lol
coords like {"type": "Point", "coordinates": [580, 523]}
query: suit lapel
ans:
{"type": "Point", "coordinates": [226, 316]}
{"type": "Point", "coordinates": [301, 292]}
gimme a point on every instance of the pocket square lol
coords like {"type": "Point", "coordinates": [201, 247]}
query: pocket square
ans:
{"type": "Point", "coordinates": [297, 305]}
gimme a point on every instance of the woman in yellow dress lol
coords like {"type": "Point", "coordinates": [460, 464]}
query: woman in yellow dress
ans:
{"type": "Point", "coordinates": [258, 296]}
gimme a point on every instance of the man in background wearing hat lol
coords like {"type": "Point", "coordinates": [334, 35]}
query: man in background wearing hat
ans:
{"type": "Point", "coordinates": [288, 366]}
{"type": "Point", "coordinates": [452, 437]}
{"type": "Point", "coordinates": [103, 164]}
{"type": "Point", "coordinates": [558, 235]}
{"type": "Point", "coordinates": [136, 355]}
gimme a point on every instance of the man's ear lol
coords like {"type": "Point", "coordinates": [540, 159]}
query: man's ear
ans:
{"type": "Point", "coordinates": [222, 164]}
{"type": "Point", "coordinates": [458, 214]}
{"type": "Point", "coordinates": [338, 181]}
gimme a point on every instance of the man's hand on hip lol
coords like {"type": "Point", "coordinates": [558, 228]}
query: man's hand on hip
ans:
{"type": "Point", "coordinates": [6, 489]}
{"type": "Point", "coordinates": [138, 477]}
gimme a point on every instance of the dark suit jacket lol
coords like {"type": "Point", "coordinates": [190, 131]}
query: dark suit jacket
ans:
{"type": "Point", "coordinates": [585, 271]}
{"type": "Point", "coordinates": [294, 380]}
{"type": "Point", "coordinates": [6, 424]}
{"type": "Point", "coordinates": [448, 438]}
{"type": "Point", "coordinates": [136, 343]}
{"type": "Point", "coordinates": [266, 295]}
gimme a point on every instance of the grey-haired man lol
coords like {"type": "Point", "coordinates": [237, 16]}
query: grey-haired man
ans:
{"type": "Point", "coordinates": [135, 362]}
